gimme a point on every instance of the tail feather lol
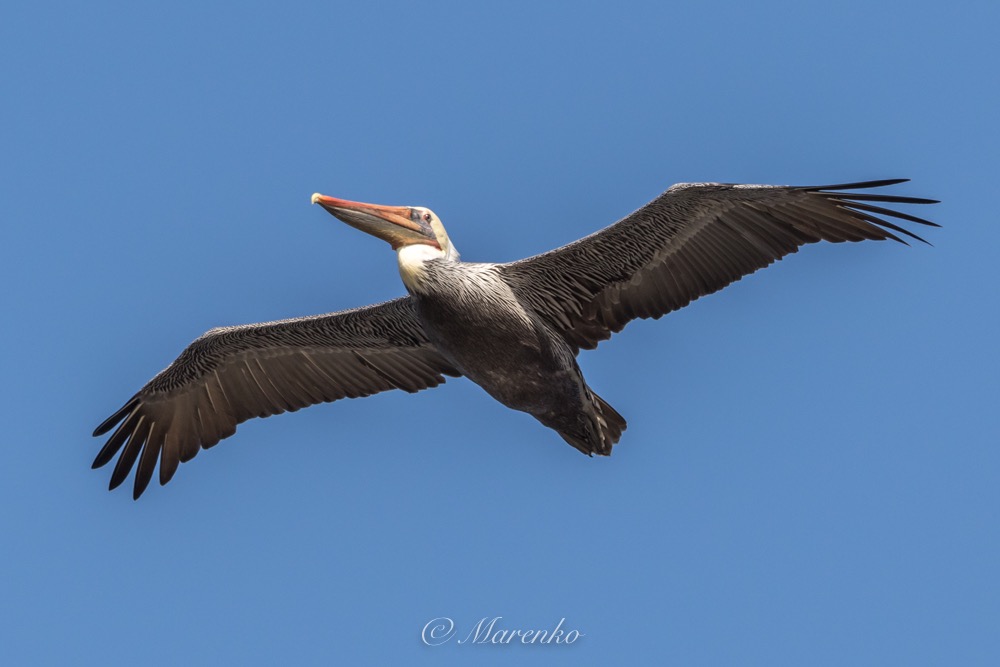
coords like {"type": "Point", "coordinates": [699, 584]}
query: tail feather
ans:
{"type": "Point", "coordinates": [595, 435]}
{"type": "Point", "coordinates": [593, 427]}
{"type": "Point", "coordinates": [612, 424]}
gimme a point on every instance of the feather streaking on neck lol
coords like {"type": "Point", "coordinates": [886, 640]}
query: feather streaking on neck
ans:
{"type": "Point", "coordinates": [411, 263]}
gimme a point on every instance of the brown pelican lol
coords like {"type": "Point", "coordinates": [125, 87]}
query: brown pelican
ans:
{"type": "Point", "coordinates": [514, 329]}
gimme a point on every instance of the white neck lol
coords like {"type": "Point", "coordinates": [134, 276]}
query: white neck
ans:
{"type": "Point", "coordinates": [411, 263]}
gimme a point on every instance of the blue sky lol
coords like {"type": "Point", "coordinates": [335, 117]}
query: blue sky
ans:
{"type": "Point", "coordinates": [810, 471]}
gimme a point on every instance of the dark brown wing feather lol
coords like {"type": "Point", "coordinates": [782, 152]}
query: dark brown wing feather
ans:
{"type": "Point", "coordinates": [692, 240]}
{"type": "Point", "coordinates": [232, 374]}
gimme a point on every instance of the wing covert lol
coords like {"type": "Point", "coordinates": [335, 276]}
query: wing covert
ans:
{"type": "Point", "coordinates": [232, 374]}
{"type": "Point", "coordinates": [692, 240]}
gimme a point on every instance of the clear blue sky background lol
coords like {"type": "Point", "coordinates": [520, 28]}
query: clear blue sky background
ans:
{"type": "Point", "coordinates": [810, 471]}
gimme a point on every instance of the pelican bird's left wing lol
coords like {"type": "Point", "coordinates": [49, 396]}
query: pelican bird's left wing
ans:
{"type": "Point", "coordinates": [692, 240]}
{"type": "Point", "coordinates": [232, 374]}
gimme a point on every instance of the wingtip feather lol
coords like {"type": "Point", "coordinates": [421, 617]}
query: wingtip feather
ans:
{"type": "Point", "coordinates": [119, 415]}
{"type": "Point", "coordinates": [858, 185]}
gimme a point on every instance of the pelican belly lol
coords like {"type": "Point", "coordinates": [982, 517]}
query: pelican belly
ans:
{"type": "Point", "coordinates": [474, 319]}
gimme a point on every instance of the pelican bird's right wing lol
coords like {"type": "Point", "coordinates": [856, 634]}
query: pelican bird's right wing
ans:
{"type": "Point", "coordinates": [692, 240]}
{"type": "Point", "coordinates": [232, 374]}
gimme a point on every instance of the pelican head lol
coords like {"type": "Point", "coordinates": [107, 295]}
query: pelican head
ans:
{"type": "Point", "coordinates": [401, 226]}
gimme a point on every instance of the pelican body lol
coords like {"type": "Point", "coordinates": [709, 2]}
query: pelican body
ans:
{"type": "Point", "coordinates": [514, 329]}
{"type": "Point", "coordinates": [477, 322]}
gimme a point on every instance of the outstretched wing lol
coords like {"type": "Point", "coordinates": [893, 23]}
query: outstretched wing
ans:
{"type": "Point", "coordinates": [692, 240]}
{"type": "Point", "coordinates": [232, 374]}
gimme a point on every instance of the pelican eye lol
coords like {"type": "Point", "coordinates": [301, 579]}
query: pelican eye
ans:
{"type": "Point", "coordinates": [427, 217]}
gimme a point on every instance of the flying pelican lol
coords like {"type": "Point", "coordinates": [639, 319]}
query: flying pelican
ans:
{"type": "Point", "coordinates": [514, 329]}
